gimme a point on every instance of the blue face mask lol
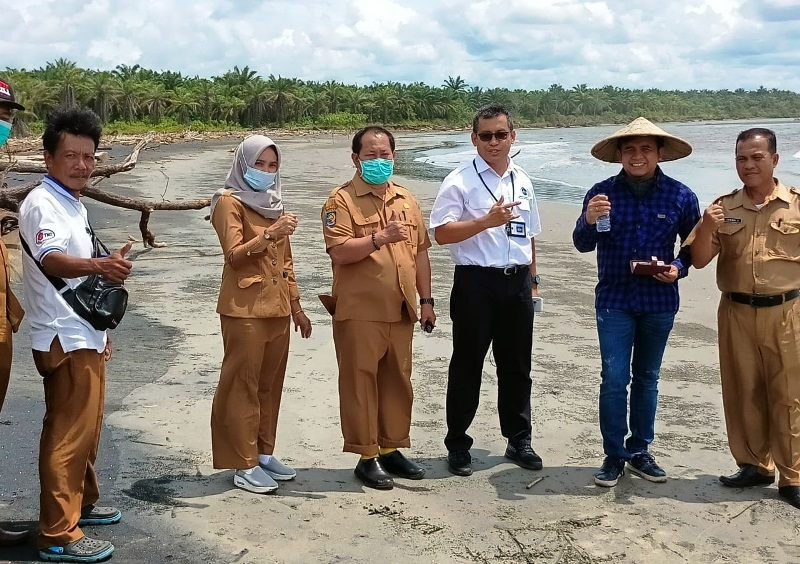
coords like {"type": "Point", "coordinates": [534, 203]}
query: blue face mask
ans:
{"type": "Point", "coordinates": [376, 171]}
{"type": "Point", "coordinates": [259, 180]}
{"type": "Point", "coordinates": [5, 131]}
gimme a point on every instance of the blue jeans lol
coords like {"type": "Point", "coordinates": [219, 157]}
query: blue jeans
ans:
{"type": "Point", "coordinates": [630, 343]}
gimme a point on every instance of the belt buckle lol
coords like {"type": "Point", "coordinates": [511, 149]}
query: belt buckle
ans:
{"type": "Point", "coordinates": [509, 270]}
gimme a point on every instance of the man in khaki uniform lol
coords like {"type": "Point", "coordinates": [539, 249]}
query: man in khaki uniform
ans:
{"type": "Point", "coordinates": [756, 233]}
{"type": "Point", "coordinates": [378, 244]}
{"type": "Point", "coordinates": [10, 311]}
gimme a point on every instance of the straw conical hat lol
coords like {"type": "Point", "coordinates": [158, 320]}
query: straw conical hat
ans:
{"type": "Point", "coordinates": [674, 147]}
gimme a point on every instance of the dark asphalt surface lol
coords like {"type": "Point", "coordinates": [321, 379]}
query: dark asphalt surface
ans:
{"type": "Point", "coordinates": [134, 476]}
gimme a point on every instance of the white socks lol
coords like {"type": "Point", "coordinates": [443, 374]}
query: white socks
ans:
{"type": "Point", "coordinates": [264, 458]}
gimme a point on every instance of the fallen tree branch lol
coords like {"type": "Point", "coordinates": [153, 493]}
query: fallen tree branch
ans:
{"type": "Point", "coordinates": [35, 167]}
{"type": "Point", "coordinates": [10, 198]}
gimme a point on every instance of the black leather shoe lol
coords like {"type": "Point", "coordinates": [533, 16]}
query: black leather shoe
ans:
{"type": "Point", "coordinates": [372, 474]}
{"type": "Point", "coordinates": [459, 462]}
{"type": "Point", "coordinates": [746, 477]}
{"type": "Point", "coordinates": [790, 494]}
{"type": "Point", "coordinates": [397, 464]}
{"type": "Point", "coordinates": [10, 538]}
{"type": "Point", "coordinates": [519, 450]}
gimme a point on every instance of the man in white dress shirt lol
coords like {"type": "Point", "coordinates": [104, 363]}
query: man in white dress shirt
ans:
{"type": "Point", "coordinates": [486, 212]}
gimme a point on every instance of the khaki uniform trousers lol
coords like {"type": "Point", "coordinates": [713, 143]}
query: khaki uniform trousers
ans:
{"type": "Point", "coordinates": [6, 350]}
{"type": "Point", "coordinates": [244, 415]}
{"type": "Point", "coordinates": [375, 395]}
{"type": "Point", "coordinates": [759, 361]}
{"type": "Point", "coordinates": [74, 395]}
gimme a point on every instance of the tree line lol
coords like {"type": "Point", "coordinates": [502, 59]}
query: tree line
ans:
{"type": "Point", "coordinates": [131, 96]}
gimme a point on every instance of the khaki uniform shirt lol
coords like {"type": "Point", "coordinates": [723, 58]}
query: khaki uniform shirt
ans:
{"type": "Point", "coordinates": [9, 306]}
{"type": "Point", "coordinates": [258, 276]}
{"type": "Point", "coordinates": [759, 250]}
{"type": "Point", "coordinates": [378, 287]}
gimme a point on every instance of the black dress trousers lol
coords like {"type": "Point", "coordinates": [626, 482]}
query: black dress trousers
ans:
{"type": "Point", "coordinates": [487, 307]}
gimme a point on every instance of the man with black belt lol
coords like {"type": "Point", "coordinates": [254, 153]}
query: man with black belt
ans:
{"type": "Point", "coordinates": [755, 231]}
{"type": "Point", "coordinates": [486, 211]}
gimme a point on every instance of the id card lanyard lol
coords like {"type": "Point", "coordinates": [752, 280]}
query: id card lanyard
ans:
{"type": "Point", "coordinates": [513, 228]}
{"type": "Point", "coordinates": [513, 188]}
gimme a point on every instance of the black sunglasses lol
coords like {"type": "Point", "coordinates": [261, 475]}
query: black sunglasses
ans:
{"type": "Point", "coordinates": [500, 135]}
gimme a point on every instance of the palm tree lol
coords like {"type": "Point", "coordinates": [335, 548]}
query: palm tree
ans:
{"type": "Point", "coordinates": [156, 99]}
{"type": "Point", "coordinates": [131, 91]}
{"type": "Point", "coordinates": [183, 103]}
{"type": "Point", "coordinates": [102, 90]}
{"type": "Point", "coordinates": [255, 94]}
{"type": "Point", "coordinates": [281, 94]}
{"type": "Point", "coordinates": [67, 76]}
{"type": "Point", "coordinates": [457, 85]}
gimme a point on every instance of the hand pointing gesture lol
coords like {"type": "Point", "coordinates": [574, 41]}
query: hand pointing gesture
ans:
{"type": "Point", "coordinates": [501, 213]}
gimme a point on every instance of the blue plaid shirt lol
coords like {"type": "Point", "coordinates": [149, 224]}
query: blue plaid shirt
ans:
{"type": "Point", "coordinates": [640, 229]}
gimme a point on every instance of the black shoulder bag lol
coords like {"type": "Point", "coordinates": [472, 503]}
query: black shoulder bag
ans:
{"type": "Point", "coordinates": [99, 301]}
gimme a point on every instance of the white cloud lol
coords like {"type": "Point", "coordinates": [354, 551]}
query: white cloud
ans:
{"type": "Point", "coordinates": [684, 44]}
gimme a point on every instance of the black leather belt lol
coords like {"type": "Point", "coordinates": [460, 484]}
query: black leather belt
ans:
{"type": "Point", "coordinates": [507, 270]}
{"type": "Point", "coordinates": [762, 300]}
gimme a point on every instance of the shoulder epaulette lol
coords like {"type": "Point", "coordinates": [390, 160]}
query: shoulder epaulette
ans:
{"type": "Point", "coordinates": [339, 187]}
{"type": "Point", "coordinates": [731, 193]}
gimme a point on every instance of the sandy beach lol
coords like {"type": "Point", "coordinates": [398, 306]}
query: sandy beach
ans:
{"type": "Point", "coordinates": [168, 356]}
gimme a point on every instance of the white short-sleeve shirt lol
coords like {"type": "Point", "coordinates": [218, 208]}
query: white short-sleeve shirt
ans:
{"type": "Point", "coordinates": [51, 220]}
{"type": "Point", "coordinates": [469, 192]}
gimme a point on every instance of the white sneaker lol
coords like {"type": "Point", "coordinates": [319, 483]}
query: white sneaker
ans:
{"type": "Point", "coordinates": [254, 480]}
{"type": "Point", "coordinates": [278, 470]}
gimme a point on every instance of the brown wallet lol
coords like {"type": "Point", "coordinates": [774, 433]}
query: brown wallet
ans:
{"type": "Point", "coordinates": [648, 267]}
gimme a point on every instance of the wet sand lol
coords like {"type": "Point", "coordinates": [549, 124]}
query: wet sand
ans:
{"type": "Point", "coordinates": [162, 382]}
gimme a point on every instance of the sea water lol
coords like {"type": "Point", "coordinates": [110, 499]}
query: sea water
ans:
{"type": "Point", "coordinates": [562, 168]}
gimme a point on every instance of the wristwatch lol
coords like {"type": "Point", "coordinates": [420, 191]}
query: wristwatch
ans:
{"type": "Point", "coordinates": [536, 279]}
{"type": "Point", "coordinates": [423, 301]}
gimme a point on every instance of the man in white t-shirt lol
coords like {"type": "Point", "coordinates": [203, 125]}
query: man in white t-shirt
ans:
{"type": "Point", "coordinates": [486, 212]}
{"type": "Point", "coordinates": [69, 354]}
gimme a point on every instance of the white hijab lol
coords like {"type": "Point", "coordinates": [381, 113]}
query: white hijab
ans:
{"type": "Point", "coordinates": [268, 204]}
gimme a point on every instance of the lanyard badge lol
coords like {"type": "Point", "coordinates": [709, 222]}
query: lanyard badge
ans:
{"type": "Point", "coordinates": [513, 228]}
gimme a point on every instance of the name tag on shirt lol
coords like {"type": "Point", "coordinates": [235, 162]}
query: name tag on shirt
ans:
{"type": "Point", "coordinates": [515, 229]}
{"type": "Point", "coordinates": [733, 220]}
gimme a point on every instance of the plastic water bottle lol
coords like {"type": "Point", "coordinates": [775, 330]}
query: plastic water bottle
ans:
{"type": "Point", "coordinates": [603, 222]}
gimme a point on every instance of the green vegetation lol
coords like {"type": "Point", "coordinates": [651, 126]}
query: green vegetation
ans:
{"type": "Point", "coordinates": [131, 99]}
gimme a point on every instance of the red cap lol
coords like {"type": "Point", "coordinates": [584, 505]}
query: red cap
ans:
{"type": "Point", "coordinates": [7, 96]}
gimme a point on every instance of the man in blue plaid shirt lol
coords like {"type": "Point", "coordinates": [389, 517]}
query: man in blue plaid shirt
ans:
{"type": "Point", "coordinates": [635, 309]}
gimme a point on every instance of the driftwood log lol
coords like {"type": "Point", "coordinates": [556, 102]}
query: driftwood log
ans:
{"type": "Point", "coordinates": [10, 198]}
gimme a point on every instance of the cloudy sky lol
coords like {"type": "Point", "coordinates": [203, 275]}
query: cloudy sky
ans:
{"type": "Point", "coordinates": [526, 44]}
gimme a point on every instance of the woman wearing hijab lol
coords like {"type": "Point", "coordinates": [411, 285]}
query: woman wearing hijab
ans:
{"type": "Point", "coordinates": [257, 298]}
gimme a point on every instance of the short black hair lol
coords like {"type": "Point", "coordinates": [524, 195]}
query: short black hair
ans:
{"type": "Point", "coordinates": [752, 133]}
{"type": "Point", "coordinates": [659, 140]}
{"type": "Point", "coordinates": [377, 129]}
{"type": "Point", "coordinates": [489, 112]}
{"type": "Point", "coordinates": [76, 121]}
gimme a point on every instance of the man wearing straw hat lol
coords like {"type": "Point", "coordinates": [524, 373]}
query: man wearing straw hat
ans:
{"type": "Point", "coordinates": [756, 232]}
{"type": "Point", "coordinates": [636, 297]}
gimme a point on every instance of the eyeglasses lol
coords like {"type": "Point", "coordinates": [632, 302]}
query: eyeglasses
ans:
{"type": "Point", "coordinates": [499, 135]}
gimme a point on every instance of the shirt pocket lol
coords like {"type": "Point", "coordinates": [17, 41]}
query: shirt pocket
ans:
{"type": "Point", "coordinates": [665, 228]}
{"type": "Point", "coordinates": [366, 226]}
{"type": "Point", "coordinates": [783, 239]}
{"type": "Point", "coordinates": [247, 281]}
{"type": "Point", "coordinates": [482, 202]}
{"type": "Point", "coordinates": [732, 239]}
